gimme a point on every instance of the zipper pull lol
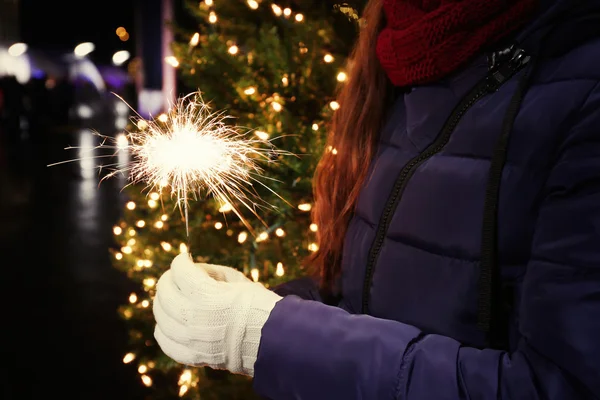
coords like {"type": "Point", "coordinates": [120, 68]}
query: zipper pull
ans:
{"type": "Point", "coordinates": [497, 57]}
{"type": "Point", "coordinates": [500, 72]}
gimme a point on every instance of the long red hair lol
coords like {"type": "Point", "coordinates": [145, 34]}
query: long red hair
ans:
{"type": "Point", "coordinates": [353, 134]}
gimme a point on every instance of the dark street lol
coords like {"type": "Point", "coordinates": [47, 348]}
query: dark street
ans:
{"type": "Point", "coordinates": [62, 337]}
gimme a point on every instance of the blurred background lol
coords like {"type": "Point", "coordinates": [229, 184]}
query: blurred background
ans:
{"type": "Point", "coordinates": [81, 254]}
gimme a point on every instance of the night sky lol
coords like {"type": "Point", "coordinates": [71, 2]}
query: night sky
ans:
{"type": "Point", "coordinates": [60, 25]}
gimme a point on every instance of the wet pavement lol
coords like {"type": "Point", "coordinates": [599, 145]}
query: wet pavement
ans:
{"type": "Point", "coordinates": [60, 333]}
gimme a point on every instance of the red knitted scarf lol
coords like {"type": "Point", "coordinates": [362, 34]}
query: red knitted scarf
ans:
{"type": "Point", "coordinates": [425, 40]}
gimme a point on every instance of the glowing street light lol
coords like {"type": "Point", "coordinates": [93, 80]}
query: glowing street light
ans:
{"type": "Point", "coordinates": [120, 57]}
{"type": "Point", "coordinates": [17, 49]}
{"type": "Point", "coordinates": [83, 49]}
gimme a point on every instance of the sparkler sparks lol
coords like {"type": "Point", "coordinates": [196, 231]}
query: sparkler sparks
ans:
{"type": "Point", "coordinates": [194, 153]}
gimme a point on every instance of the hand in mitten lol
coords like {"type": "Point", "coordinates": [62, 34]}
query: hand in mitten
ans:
{"type": "Point", "coordinates": [202, 321]}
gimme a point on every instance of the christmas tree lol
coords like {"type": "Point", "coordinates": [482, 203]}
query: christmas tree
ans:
{"type": "Point", "coordinates": [275, 70]}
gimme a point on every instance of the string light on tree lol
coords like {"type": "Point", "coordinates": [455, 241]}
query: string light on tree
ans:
{"type": "Point", "coordinates": [129, 357]}
{"type": "Point", "coordinates": [226, 207]}
{"type": "Point", "coordinates": [186, 377]}
{"type": "Point", "coordinates": [195, 39]}
{"type": "Point", "coordinates": [276, 106]}
{"type": "Point", "coordinates": [305, 207]}
{"type": "Point", "coordinates": [262, 237]}
{"type": "Point", "coordinates": [172, 61]}
{"type": "Point", "coordinates": [279, 270]}
{"type": "Point", "coordinates": [149, 282]}
{"type": "Point", "coordinates": [142, 125]}
{"type": "Point", "coordinates": [262, 135]}
{"type": "Point", "coordinates": [122, 142]}
{"type": "Point", "coordinates": [276, 9]}
{"type": "Point", "coordinates": [146, 380]}
{"type": "Point", "coordinates": [183, 390]}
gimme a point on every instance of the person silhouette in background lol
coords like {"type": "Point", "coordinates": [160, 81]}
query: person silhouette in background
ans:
{"type": "Point", "coordinates": [459, 221]}
{"type": "Point", "coordinates": [13, 106]}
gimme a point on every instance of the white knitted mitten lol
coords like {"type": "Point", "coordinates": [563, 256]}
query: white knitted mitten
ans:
{"type": "Point", "coordinates": [209, 315]}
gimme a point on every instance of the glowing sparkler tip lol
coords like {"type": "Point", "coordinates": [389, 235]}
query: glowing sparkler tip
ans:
{"type": "Point", "coordinates": [193, 150]}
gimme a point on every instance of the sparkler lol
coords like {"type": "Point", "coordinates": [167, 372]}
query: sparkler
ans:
{"type": "Point", "coordinates": [194, 152]}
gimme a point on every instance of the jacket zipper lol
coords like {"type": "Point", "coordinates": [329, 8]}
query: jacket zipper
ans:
{"type": "Point", "coordinates": [496, 77]}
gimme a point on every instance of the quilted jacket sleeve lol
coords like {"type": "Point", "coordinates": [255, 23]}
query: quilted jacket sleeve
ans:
{"type": "Point", "coordinates": [305, 288]}
{"type": "Point", "coordinates": [312, 351]}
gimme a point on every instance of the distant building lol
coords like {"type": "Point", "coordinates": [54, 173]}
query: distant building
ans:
{"type": "Point", "coordinates": [155, 80]}
{"type": "Point", "coordinates": [17, 66]}
{"type": "Point", "coordinates": [9, 21]}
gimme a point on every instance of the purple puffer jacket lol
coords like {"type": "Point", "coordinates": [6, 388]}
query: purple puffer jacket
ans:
{"type": "Point", "coordinates": [471, 268]}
